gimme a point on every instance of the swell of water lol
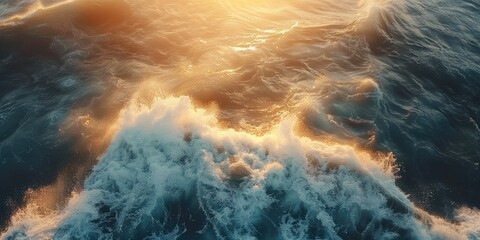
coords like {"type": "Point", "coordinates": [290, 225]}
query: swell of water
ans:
{"type": "Point", "coordinates": [365, 81]}
{"type": "Point", "coordinates": [171, 172]}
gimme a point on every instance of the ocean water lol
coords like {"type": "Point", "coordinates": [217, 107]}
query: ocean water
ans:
{"type": "Point", "coordinates": [239, 119]}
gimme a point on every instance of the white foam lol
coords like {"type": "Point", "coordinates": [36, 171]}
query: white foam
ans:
{"type": "Point", "coordinates": [469, 220]}
{"type": "Point", "coordinates": [35, 222]}
{"type": "Point", "coordinates": [171, 169]}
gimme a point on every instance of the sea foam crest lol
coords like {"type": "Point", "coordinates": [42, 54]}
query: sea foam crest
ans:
{"type": "Point", "coordinates": [172, 172]}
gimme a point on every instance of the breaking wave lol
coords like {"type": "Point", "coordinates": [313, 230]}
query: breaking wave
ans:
{"type": "Point", "coordinates": [173, 172]}
{"type": "Point", "coordinates": [268, 119]}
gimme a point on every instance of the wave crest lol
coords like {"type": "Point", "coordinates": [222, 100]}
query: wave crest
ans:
{"type": "Point", "coordinates": [172, 172]}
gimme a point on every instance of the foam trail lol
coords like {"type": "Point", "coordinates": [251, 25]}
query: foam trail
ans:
{"type": "Point", "coordinates": [470, 222]}
{"type": "Point", "coordinates": [172, 172]}
{"type": "Point", "coordinates": [30, 11]}
{"type": "Point", "coordinates": [35, 222]}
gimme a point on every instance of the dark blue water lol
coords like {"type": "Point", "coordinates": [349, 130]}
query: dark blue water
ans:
{"type": "Point", "coordinates": [428, 65]}
{"type": "Point", "coordinates": [395, 79]}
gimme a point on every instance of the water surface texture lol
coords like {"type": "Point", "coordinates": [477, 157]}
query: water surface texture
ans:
{"type": "Point", "coordinates": [239, 119]}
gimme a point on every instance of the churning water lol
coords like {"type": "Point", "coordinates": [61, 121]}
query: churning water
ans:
{"type": "Point", "coordinates": [239, 119]}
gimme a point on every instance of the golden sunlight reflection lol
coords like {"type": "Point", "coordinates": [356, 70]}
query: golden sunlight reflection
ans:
{"type": "Point", "coordinates": [31, 10]}
{"type": "Point", "coordinates": [251, 63]}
